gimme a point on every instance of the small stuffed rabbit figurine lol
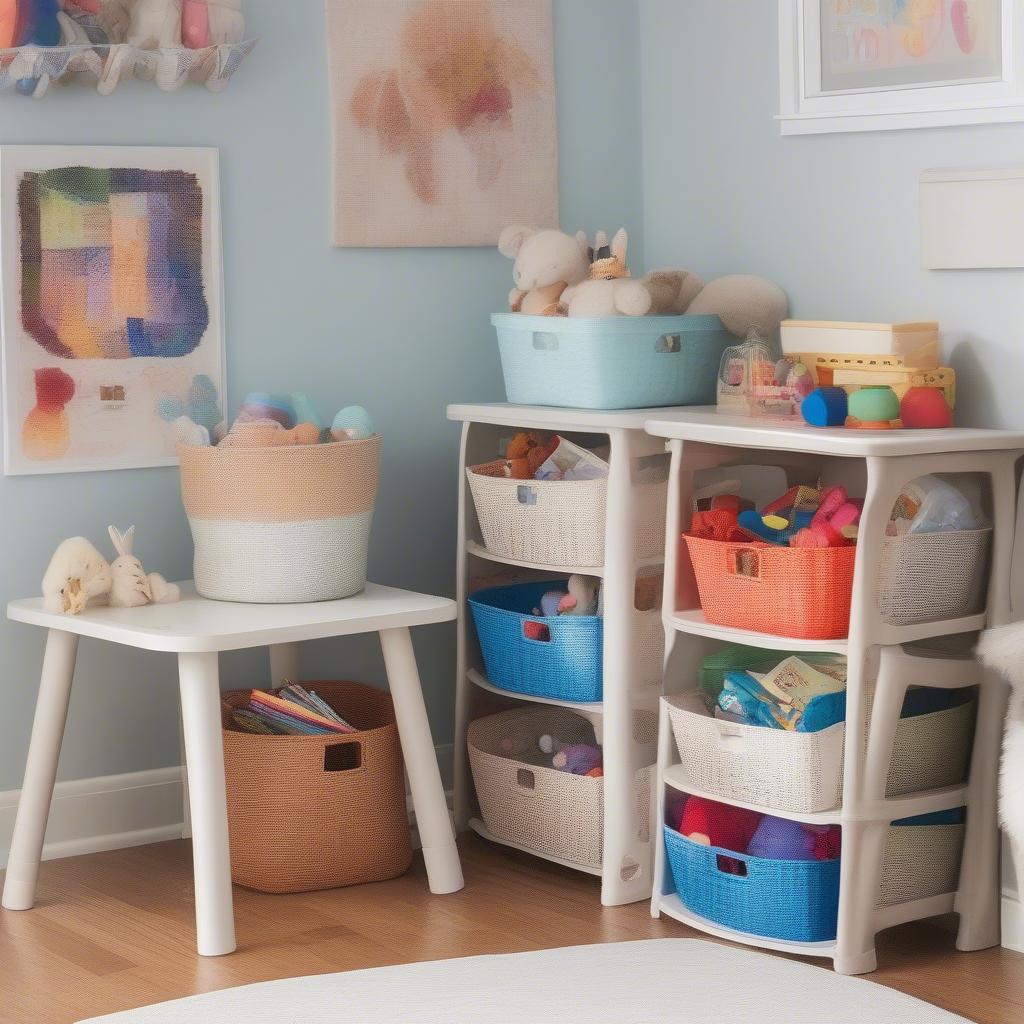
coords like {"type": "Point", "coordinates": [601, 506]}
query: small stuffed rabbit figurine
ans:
{"type": "Point", "coordinates": [76, 576]}
{"type": "Point", "coordinates": [132, 587]}
{"type": "Point", "coordinates": [609, 291]}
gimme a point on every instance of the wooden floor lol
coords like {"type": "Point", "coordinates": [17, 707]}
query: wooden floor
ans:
{"type": "Point", "coordinates": [115, 930]}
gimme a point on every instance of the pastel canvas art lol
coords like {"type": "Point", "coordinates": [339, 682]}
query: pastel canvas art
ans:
{"type": "Point", "coordinates": [444, 120]}
{"type": "Point", "coordinates": [111, 305]}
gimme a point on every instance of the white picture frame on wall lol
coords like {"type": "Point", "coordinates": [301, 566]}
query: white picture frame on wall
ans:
{"type": "Point", "coordinates": [111, 305]}
{"type": "Point", "coordinates": [874, 65]}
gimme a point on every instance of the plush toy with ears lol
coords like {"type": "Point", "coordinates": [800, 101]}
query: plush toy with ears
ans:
{"type": "Point", "coordinates": [609, 291]}
{"type": "Point", "coordinates": [546, 263]}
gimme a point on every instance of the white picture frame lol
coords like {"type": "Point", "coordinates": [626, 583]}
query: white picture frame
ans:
{"type": "Point", "coordinates": [124, 389]}
{"type": "Point", "coordinates": [805, 108]}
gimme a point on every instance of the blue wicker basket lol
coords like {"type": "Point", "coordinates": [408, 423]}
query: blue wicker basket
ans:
{"type": "Point", "coordinates": [567, 666]}
{"type": "Point", "coordinates": [619, 362]}
{"type": "Point", "coordinates": [795, 900]}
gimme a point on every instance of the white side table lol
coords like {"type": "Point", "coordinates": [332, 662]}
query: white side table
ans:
{"type": "Point", "coordinates": [196, 630]}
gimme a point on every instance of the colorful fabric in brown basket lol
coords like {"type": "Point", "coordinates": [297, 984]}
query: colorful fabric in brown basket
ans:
{"type": "Point", "coordinates": [317, 812]}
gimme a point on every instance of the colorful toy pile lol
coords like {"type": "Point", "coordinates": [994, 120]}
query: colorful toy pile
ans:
{"type": "Point", "coordinates": [738, 830]}
{"type": "Point", "coordinates": [528, 456]}
{"type": "Point", "coordinates": [290, 711]}
{"type": "Point", "coordinates": [276, 420]}
{"type": "Point", "coordinates": [803, 517]}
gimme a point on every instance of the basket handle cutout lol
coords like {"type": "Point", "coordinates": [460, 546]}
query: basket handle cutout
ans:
{"type": "Point", "coordinates": [747, 563]}
{"type": "Point", "coordinates": [669, 343]}
{"type": "Point", "coordinates": [525, 779]}
{"type": "Point", "coordinates": [343, 757]}
{"type": "Point", "coordinates": [545, 341]}
{"type": "Point", "coordinates": [731, 866]}
{"type": "Point", "coordinates": [537, 632]}
{"type": "Point", "coordinates": [526, 495]}
{"type": "Point", "coordinates": [731, 741]}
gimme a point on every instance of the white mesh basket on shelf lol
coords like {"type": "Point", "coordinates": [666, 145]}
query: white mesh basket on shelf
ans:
{"type": "Point", "coordinates": [931, 577]}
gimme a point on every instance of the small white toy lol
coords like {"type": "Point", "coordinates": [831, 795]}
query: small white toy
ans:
{"type": "Point", "coordinates": [187, 431]}
{"type": "Point", "coordinates": [609, 291]}
{"type": "Point", "coordinates": [353, 423]}
{"type": "Point", "coordinates": [131, 585]}
{"type": "Point", "coordinates": [155, 24]}
{"type": "Point", "coordinates": [546, 263]}
{"type": "Point", "coordinates": [76, 576]}
{"type": "Point", "coordinates": [743, 302]}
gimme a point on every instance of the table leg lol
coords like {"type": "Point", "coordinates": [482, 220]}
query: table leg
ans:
{"type": "Point", "coordinates": [40, 770]}
{"type": "Point", "coordinates": [444, 871]}
{"type": "Point", "coordinates": [284, 664]}
{"type": "Point", "coordinates": [204, 758]}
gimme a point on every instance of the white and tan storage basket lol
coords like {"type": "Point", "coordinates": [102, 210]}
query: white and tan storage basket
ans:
{"type": "Point", "coordinates": [280, 525]}
{"type": "Point", "coordinates": [931, 577]}
{"type": "Point", "coordinates": [803, 772]}
{"type": "Point", "coordinates": [920, 861]}
{"type": "Point", "coordinates": [558, 522]}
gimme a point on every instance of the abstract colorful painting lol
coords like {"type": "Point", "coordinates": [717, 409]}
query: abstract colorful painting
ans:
{"type": "Point", "coordinates": [897, 44]}
{"type": "Point", "coordinates": [110, 293]}
{"type": "Point", "coordinates": [444, 120]}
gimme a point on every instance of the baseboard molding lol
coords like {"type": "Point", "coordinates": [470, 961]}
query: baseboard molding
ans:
{"type": "Point", "coordinates": [1013, 922]}
{"type": "Point", "coordinates": [115, 812]}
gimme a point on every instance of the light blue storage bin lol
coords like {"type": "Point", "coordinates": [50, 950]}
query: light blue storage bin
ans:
{"type": "Point", "coordinates": [567, 666]}
{"type": "Point", "coordinates": [621, 362]}
{"type": "Point", "coordinates": [795, 900]}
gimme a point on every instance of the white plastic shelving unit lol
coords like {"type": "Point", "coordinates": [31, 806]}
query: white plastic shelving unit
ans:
{"type": "Point", "coordinates": [626, 871]}
{"type": "Point", "coordinates": [876, 464]}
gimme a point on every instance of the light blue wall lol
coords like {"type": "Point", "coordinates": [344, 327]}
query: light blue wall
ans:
{"type": "Point", "coordinates": [403, 332]}
{"type": "Point", "coordinates": [832, 218]}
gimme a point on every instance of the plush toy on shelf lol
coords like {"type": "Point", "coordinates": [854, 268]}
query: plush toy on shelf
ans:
{"type": "Point", "coordinates": [77, 576]}
{"type": "Point", "coordinates": [155, 25]}
{"type": "Point", "coordinates": [574, 758]}
{"type": "Point", "coordinates": [546, 263]}
{"type": "Point", "coordinates": [131, 585]}
{"type": "Point", "coordinates": [580, 598]}
{"type": "Point", "coordinates": [609, 289]}
{"type": "Point", "coordinates": [270, 434]}
{"type": "Point", "coordinates": [720, 825]}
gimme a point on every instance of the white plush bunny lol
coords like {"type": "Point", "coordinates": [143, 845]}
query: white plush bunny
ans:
{"type": "Point", "coordinates": [132, 587]}
{"type": "Point", "coordinates": [610, 291]}
{"type": "Point", "coordinates": [156, 24]}
{"type": "Point", "coordinates": [77, 575]}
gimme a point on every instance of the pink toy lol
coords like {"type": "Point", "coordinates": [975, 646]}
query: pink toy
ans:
{"type": "Point", "coordinates": [195, 24]}
{"type": "Point", "coordinates": [835, 514]}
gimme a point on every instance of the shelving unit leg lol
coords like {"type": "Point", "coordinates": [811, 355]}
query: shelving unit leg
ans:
{"type": "Point", "coordinates": [859, 881]}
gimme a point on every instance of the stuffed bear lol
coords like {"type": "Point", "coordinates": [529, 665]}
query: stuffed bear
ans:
{"type": "Point", "coordinates": [546, 263]}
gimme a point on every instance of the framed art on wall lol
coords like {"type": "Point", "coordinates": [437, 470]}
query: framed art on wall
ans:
{"type": "Point", "coordinates": [865, 65]}
{"type": "Point", "coordinates": [111, 305]}
{"type": "Point", "coordinates": [443, 116]}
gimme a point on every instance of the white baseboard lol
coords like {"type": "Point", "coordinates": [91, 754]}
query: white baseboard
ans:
{"type": "Point", "coordinates": [1013, 922]}
{"type": "Point", "coordinates": [117, 811]}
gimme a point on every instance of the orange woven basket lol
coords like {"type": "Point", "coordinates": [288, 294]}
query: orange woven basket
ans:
{"type": "Point", "coordinates": [799, 592]}
{"type": "Point", "coordinates": [317, 812]}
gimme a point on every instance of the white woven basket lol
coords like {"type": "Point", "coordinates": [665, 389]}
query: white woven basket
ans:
{"type": "Point", "coordinates": [558, 522]}
{"type": "Point", "coordinates": [920, 861]}
{"type": "Point", "coordinates": [795, 771]}
{"type": "Point", "coordinates": [525, 801]}
{"type": "Point", "coordinates": [930, 577]}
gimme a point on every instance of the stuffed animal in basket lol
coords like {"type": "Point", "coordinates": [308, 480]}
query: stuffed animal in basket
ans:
{"type": "Point", "coordinates": [155, 24]}
{"type": "Point", "coordinates": [580, 598]}
{"type": "Point", "coordinates": [609, 289]}
{"type": "Point", "coordinates": [546, 263]}
{"type": "Point", "coordinates": [131, 586]}
{"type": "Point", "coordinates": [574, 758]}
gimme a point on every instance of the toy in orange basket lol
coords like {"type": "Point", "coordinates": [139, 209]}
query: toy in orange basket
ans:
{"type": "Point", "coordinates": [834, 523]}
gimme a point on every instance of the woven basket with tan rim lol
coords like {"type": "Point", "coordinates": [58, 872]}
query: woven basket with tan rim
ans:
{"type": "Point", "coordinates": [317, 812]}
{"type": "Point", "coordinates": [280, 525]}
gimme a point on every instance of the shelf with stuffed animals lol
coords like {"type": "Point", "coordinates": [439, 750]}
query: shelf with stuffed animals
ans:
{"type": "Point", "coordinates": [828, 745]}
{"type": "Point", "coordinates": [170, 42]}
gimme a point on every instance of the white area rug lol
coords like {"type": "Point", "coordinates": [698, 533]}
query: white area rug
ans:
{"type": "Point", "coordinates": [682, 981]}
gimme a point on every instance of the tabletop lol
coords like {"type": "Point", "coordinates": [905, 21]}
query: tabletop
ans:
{"type": "Point", "coordinates": [705, 423]}
{"type": "Point", "coordinates": [197, 625]}
{"type": "Point", "coordinates": [549, 417]}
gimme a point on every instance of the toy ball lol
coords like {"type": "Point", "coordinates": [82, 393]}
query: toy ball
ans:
{"type": "Point", "coordinates": [353, 423]}
{"type": "Point", "coordinates": [874, 404]}
{"type": "Point", "coordinates": [923, 408]}
{"type": "Point", "coordinates": [825, 407]}
{"type": "Point", "coordinates": [781, 839]}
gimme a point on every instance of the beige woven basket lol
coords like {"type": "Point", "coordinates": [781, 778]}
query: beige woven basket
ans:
{"type": "Point", "coordinates": [317, 812]}
{"type": "Point", "coordinates": [794, 771]}
{"type": "Point", "coordinates": [558, 522]}
{"type": "Point", "coordinates": [920, 861]}
{"type": "Point", "coordinates": [280, 525]}
{"type": "Point", "coordinates": [930, 577]}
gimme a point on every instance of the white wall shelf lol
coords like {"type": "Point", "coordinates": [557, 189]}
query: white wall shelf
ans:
{"type": "Point", "coordinates": [878, 465]}
{"type": "Point", "coordinates": [627, 857]}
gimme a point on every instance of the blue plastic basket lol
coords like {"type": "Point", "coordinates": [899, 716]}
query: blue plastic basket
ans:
{"type": "Point", "coordinates": [568, 666]}
{"type": "Point", "coordinates": [621, 362]}
{"type": "Point", "coordinates": [795, 900]}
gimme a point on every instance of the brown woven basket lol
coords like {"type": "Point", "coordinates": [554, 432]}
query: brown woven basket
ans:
{"type": "Point", "coordinates": [317, 812]}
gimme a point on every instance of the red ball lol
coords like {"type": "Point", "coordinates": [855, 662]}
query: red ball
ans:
{"type": "Point", "coordinates": [923, 408]}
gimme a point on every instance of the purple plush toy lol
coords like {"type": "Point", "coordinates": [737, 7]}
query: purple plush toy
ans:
{"type": "Point", "coordinates": [579, 759]}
